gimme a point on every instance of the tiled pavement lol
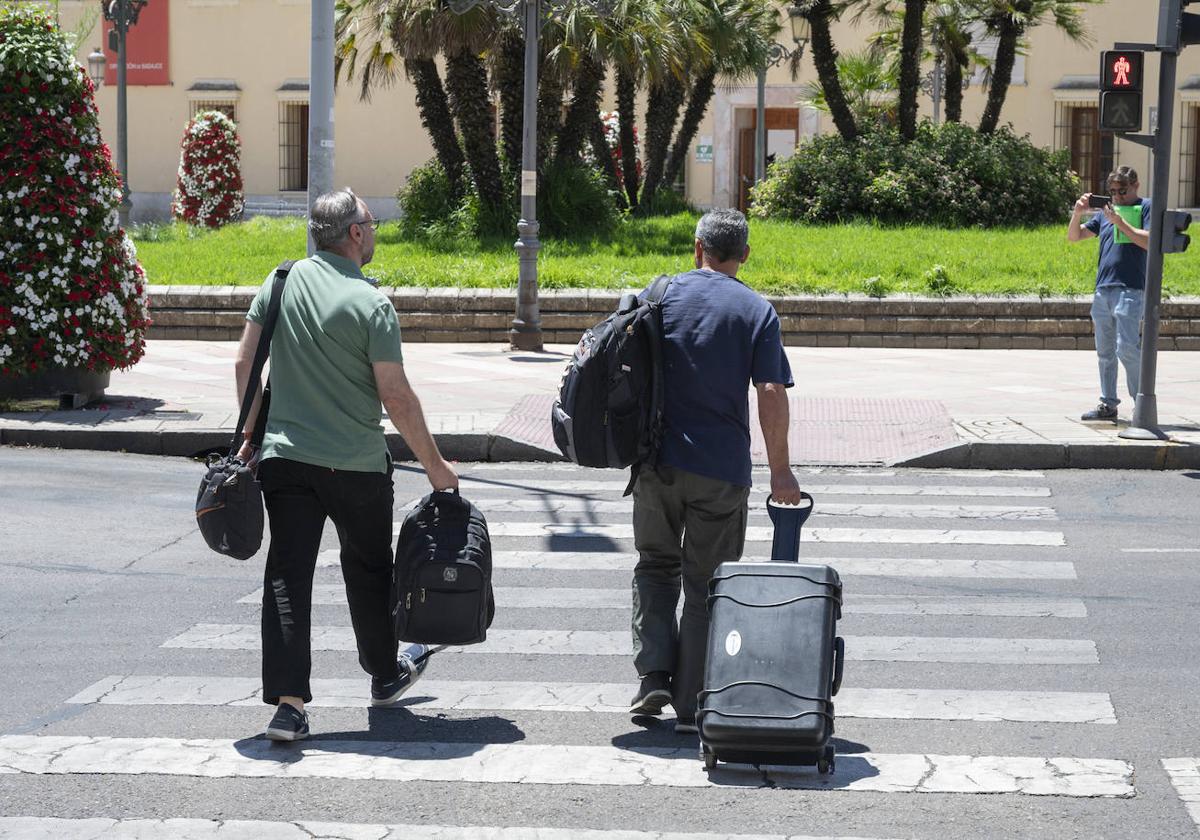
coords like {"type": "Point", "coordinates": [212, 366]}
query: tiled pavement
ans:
{"type": "Point", "coordinates": [950, 408]}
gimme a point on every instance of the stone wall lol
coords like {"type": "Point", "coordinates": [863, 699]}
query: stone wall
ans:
{"type": "Point", "coordinates": [485, 315]}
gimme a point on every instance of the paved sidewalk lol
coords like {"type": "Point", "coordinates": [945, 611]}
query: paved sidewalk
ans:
{"type": "Point", "coordinates": [938, 408]}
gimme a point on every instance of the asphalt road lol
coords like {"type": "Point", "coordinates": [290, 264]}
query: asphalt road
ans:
{"type": "Point", "coordinates": [105, 576]}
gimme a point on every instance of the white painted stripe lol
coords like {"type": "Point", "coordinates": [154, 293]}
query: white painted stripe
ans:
{"type": "Point", "coordinates": [57, 828]}
{"type": "Point", "coordinates": [989, 651]}
{"type": "Point", "coordinates": [1185, 776]}
{"type": "Point", "coordinates": [761, 472]}
{"type": "Point", "coordinates": [552, 764]}
{"type": "Point", "coordinates": [545, 597]}
{"type": "Point", "coordinates": [551, 505]}
{"type": "Point", "coordinates": [908, 536]}
{"type": "Point", "coordinates": [1162, 550]}
{"type": "Point", "coordinates": [599, 561]}
{"type": "Point", "coordinates": [609, 698]}
{"type": "Point", "coordinates": [615, 488]}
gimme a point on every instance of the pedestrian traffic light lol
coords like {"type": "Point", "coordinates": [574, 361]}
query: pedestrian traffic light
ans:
{"type": "Point", "coordinates": [1174, 240]}
{"type": "Point", "coordinates": [1121, 90]}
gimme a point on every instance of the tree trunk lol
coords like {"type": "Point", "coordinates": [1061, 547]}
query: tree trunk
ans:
{"type": "Point", "coordinates": [701, 95]}
{"type": "Point", "coordinates": [953, 91]}
{"type": "Point", "coordinates": [662, 111]}
{"type": "Point", "coordinates": [510, 82]}
{"type": "Point", "coordinates": [910, 66]}
{"type": "Point", "coordinates": [549, 122]}
{"type": "Point", "coordinates": [466, 81]}
{"type": "Point", "coordinates": [825, 60]}
{"type": "Point", "coordinates": [581, 115]}
{"type": "Point", "coordinates": [604, 158]}
{"type": "Point", "coordinates": [626, 99]}
{"type": "Point", "coordinates": [1006, 55]}
{"type": "Point", "coordinates": [434, 109]}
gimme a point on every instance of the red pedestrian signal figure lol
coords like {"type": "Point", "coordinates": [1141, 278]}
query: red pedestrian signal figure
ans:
{"type": "Point", "coordinates": [1121, 68]}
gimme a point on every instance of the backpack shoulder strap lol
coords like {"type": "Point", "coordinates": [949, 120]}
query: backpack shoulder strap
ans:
{"type": "Point", "coordinates": [658, 288]}
{"type": "Point", "coordinates": [260, 359]}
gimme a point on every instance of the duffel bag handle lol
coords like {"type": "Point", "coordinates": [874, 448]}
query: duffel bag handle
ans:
{"type": "Point", "coordinates": [788, 520]}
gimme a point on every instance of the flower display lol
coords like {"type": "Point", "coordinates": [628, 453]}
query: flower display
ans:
{"type": "Point", "coordinates": [71, 291]}
{"type": "Point", "coordinates": [209, 190]}
{"type": "Point", "coordinates": [612, 133]}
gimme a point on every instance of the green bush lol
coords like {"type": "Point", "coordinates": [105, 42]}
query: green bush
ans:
{"type": "Point", "coordinates": [573, 200]}
{"type": "Point", "coordinates": [937, 281]}
{"type": "Point", "coordinates": [950, 175]}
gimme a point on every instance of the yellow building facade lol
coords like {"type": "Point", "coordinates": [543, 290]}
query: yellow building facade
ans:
{"type": "Point", "coordinates": [250, 59]}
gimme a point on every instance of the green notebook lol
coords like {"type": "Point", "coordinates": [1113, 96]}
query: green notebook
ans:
{"type": "Point", "coordinates": [1132, 214]}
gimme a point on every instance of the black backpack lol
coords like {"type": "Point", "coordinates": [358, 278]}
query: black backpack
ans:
{"type": "Point", "coordinates": [442, 581]}
{"type": "Point", "coordinates": [610, 403]}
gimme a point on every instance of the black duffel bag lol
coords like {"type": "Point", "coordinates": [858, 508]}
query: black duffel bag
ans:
{"type": "Point", "coordinates": [229, 505]}
{"type": "Point", "coordinates": [442, 583]}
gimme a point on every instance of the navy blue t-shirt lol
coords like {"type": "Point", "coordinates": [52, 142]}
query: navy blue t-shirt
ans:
{"type": "Point", "coordinates": [720, 336]}
{"type": "Point", "coordinates": [1119, 263]}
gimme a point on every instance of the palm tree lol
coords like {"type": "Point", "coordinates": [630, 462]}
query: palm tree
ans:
{"type": "Point", "coordinates": [825, 59]}
{"type": "Point", "coordinates": [949, 26]}
{"type": "Point", "coordinates": [869, 81]}
{"type": "Point", "coordinates": [1008, 21]}
{"type": "Point", "coordinates": [508, 76]}
{"type": "Point", "coordinates": [910, 66]}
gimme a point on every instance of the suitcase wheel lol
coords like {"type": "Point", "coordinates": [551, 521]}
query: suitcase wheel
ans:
{"type": "Point", "coordinates": [708, 757]}
{"type": "Point", "coordinates": [825, 764]}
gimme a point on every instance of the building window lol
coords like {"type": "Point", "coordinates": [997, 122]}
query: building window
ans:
{"type": "Point", "coordinates": [293, 146]}
{"type": "Point", "coordinates": [1093, 154]}
{"type": "Point", "coordinates": [226, 107]}
{"type": "Point", "coordinates": [1189, 156]}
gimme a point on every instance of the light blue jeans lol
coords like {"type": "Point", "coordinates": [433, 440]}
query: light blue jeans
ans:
{"type": "Point", "coordinates": [1117, 316]}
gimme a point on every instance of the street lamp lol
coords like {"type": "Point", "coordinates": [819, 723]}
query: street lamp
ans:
{"type": "Point", "coordinates": [934, 84]}
{"type": "Point", "coordinates": [776, 55]}
{"type": "Point", "coordinates": [95, 62]}
{"type": "Point", "coordinates": [122, 14]}
{"type": "Point", "coordinates": [526, 332]}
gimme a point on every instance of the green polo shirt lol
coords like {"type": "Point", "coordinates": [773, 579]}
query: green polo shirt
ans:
{"type": "Point", "coordinates": [333, 325]}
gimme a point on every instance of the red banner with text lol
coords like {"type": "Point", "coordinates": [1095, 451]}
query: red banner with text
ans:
{"type": "Point", "coordinates": [145, 48]}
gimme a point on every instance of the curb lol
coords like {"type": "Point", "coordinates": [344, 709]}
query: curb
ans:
{"type": "Point", "coordinates": [479, 446]}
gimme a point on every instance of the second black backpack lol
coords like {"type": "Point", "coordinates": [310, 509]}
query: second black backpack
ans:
{"type": "Point", "coordinates": [442, 583]}
{"type": "Point", "coordinates": [609, 407]}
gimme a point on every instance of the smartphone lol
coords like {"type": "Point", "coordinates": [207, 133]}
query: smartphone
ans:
{"type": "Point", "coordinates": [1097, 201]}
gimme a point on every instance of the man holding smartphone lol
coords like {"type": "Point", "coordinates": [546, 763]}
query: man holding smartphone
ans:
{"type": "Point", "coordinates": [1123, 225]}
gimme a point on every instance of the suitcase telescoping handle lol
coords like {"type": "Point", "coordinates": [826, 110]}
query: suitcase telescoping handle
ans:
{"type": "Point", "coordinates": [788, 520]}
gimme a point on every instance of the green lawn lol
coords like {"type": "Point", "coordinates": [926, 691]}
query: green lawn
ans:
{"type": "Point", "coordinates": [786, 258]}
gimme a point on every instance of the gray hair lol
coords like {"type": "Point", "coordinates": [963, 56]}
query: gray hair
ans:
{"type": "Point", "coordinates": [331, 216]}
{"type": "Point", "coordinates": [723, 234]}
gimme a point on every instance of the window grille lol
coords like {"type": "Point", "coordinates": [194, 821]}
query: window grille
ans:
{"type": "Point", "coordinates": [1189, 156]}
{"type": "Point", "coordinates": [293, 146]}
{"type": "Point", "coordinates": [1093, 154]}
{"type": "Point", "coordinates": [226, 107]}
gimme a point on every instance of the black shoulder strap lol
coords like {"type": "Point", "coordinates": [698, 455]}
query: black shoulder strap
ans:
{"type": "Point", "coordinates": [260, 359]}
{"type": "Point", "coordinates": [658, 288]}
{"type": "Point", "coordinates": [654, 294]}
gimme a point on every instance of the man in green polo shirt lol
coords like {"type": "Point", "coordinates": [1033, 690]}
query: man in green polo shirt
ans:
{"type": "Point", "coordinates": [335, 358]}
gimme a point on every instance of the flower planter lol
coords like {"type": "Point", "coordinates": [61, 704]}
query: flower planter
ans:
{"type": "Point", "coordinates": [72, 387]}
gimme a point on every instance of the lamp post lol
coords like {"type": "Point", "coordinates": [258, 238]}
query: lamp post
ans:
{"type": "Point", "coordinates": [776, 56]}
{"type": "Point", "coordinates": [122, 14]}
{"type": "Point", "coordinates": [934, 84]}
{"type": "Point", "coordinates": [526, 332]}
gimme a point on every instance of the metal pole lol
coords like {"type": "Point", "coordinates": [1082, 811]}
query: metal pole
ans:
{"type": "Point", "coordinates": [320, 105]}
{"type": "Point", "coordinates": [1144, 425]}
{"type": "Point", "coordinates": [760, 128]}
{"type": "Point", "coordinates": [526, 332]}
{"type": "Point", "coordinates": [121, 24]}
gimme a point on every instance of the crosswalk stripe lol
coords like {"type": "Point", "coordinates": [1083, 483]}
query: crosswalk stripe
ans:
{"type": "Point", "coordinates": [541, 597]}
{"type": "Point", "coordinates": [1185, 776]}
{"type": "Point", "coordinates": [599, 561]}
{"type": "Point", "coordinates": [549, 506]}
{"type": "Point", "coordinates": [552, 468]}
{"type": "Point", "coordinates": [553, 764]}
{"type": "Point", "coordinates": [610, 698]}
{"type": "Point", "coordinates": [991, 651]}
{"type": "Point", "coordinates": [594, 488]}
{"type": "Point", "coordinates": [58, 828]}
{"type": "Point", "coordinates": [909, 536]}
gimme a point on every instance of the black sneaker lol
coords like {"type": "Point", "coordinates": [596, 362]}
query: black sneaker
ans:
{"type": "Point", "coordinates": [1104, 411]}
{"type": "Point", "coordinates": [685, 726]}
{"type": "Point", "coordinates": [388, 692]}
{"type": "Point", "coordinates": [652, 695]}
{"type": "Point", "coordinates": [289, 724]}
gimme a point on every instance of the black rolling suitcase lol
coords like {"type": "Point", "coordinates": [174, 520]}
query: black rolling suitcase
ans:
{"type": "Point", "coordinates": [774, 659]}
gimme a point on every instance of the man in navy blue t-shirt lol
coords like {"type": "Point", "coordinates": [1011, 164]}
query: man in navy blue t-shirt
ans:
{"type": "Point", "coordinates": [1120, 283]}
{"type": "Point", "coordinates": [689, 513]}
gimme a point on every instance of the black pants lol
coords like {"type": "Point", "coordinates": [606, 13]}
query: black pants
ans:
{"type": "Point", "coordinates": [298, 499]}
